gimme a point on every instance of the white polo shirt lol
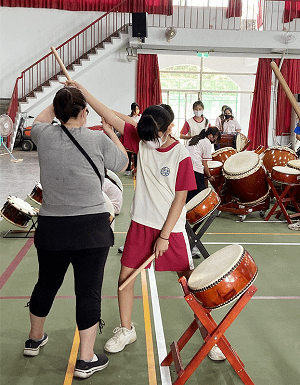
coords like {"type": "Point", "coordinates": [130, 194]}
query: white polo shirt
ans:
{"type": "Point", "coordinates": [201, 151]}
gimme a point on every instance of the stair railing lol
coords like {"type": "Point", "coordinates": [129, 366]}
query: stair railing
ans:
{"type": "Point", "coordinates": [78, 47]}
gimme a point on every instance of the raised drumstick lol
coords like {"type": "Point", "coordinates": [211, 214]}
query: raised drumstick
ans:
{"type": "Point", "coordinates": [136, 272]}
{"type": "Point", "coordinates": [62, 66]}
{"type": "Point", "coordinates": [286, 88]}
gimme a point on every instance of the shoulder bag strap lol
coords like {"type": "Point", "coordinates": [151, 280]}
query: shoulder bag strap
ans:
{"type": "Point", "coordinates": [82, 151]}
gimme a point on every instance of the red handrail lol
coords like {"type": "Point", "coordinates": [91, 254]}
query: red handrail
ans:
{"type": "Point", "coordinates": [40, 73]}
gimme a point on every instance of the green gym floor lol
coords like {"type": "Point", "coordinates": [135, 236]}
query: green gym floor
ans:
{"type": "Point", "coordinates": [265, 335]}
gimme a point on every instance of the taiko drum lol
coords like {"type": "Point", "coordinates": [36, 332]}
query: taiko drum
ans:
{"type": "Point", "coordinates": [223, 277]}
{"type": "Point", "coordinates": [277, 156]}
{"type": "Point", "coordinates": [202, 205]}
{"type": "Point", "coordinates": [17, 211]}
{"type": "Point", "coordinates": [37, 194]}
{"type": "Point", "coordinates": [223, 154]}
{"type": "Point", "coordinates": [285, 175]}
{"type": "Point", "coordinates": [246, 179]}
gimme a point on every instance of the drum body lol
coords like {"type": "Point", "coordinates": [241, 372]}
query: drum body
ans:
{"type": "Point", "coordinates": [286, 175]}
{"type": "Point", "coordinates": [215, 169]}
{"type": "Point", "coordinates": [227, 140]}
{"type": "Point", "coordinates": [17, 211]}
{"type": "Point", "coordinates": [277, 156]}
{"type": "Point", "coordinates": [202, 205]}
{"type": "Point", "coordinates": [223, 154]}
{"type": "Point", "coordinates": [37, 194]}
{"type": "Point", "coordinates": [246, 179]}
{"type": "Point", "coordinates": [223, 277]}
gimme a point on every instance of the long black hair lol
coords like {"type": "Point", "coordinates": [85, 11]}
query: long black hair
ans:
{"type": "Point", "coordinates": [133, 108]}
{"type": "Point", "coordinates": [153, 120]}
{"type": "Point", "coordinates": [204, 134]}
{"type": "Point", "coordinates": [68, 103]}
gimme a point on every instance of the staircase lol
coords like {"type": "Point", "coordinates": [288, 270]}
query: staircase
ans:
{"type": "Point", "coordinates": [40, 81]}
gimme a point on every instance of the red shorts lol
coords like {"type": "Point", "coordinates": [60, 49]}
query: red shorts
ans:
{"type": "Point", "coordinates": [139, 246]}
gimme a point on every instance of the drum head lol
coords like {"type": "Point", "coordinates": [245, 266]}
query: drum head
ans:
{"type": "Point", "coordinates": [213, 268]}
{"type": "Point", "coordinates": [241, 163]}
{"type": "Point", "coordinates": [214, 164]}
{"type": "Point", "coordinates": [198, 199]}
{"type": "Point", "coordinates": [21, 205]}
{"type": "Point", "coordinates": [286, 170]}
{"type": "Point", "coordinates": [294, 164]}
{"type": "Point", "coordinates": [241, 141]}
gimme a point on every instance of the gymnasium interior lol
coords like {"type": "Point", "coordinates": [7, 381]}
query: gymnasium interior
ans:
{"type": "Point", "coordinates": [244, 54]}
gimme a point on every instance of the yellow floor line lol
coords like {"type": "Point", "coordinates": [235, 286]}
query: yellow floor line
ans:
{"type": "Point", "coordinates": [148, 331]}
{"type": "Point", "coordinates": [72, 359]}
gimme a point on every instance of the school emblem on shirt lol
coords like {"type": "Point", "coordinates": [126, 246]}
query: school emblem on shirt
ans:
{"type": "Point", "coordinates": [165, 171]}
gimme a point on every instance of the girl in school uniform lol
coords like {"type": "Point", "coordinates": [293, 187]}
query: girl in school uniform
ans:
{"type": "Point", "coordinates": [158, 216]}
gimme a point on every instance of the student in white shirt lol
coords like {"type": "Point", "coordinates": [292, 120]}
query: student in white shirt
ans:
{"type": "Point", "coordinates": [196, 124]}
{"type": "Point", "coordinates": [199, 148]}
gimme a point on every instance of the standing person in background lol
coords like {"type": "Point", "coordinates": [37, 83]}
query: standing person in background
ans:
{"type": "Point", "coordinates": [135, 114]}
{"type": "Point", "coordinates": [296, 226]}
{"type": "Point", "coordinates": [297, 132]}
{"type": "Point", "coordinates": [73, 224]}
{"type": "Point", "coordinates": [196, 124]}
{"type": "Point", "coordinates": [114, 193]}
{"type": "Point", "coordinates": [226, 122]}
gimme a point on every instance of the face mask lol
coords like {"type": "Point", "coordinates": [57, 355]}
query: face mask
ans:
{"type": "Point", "coordinates": [198, 113]}
{"type": "Point", "coordinates": [155, 144]}
{"type": "Point", "coordinates": [228, 116]}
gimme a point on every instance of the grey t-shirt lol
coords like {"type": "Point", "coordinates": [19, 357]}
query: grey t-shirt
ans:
{"type": "Point", "coordinates": [70, 185]}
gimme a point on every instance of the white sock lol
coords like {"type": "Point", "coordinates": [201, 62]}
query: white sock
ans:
{"type": "Point", "coordinates": [94, 359]}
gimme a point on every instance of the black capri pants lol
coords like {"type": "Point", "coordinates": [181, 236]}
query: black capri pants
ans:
{"type": "Point", "coordinates": [200, 186]}
{"type": "Point", "coordinates": [88, 266]}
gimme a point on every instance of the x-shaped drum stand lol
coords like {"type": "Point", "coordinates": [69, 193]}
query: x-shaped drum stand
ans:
{"type": "Point", "coordinates": [22, 233]}
{"type": "Point", "coordinates": [214, 335]}
{"type": "Point", "coordinates": [282, 201]}
{"type": "Point", "coordinates": [194, 238]}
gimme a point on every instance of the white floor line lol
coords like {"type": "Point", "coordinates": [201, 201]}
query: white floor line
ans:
{"type": "Point", "coordinates": [159, 330]}
{"type": "Point", "coordinates": [251, 243]}
{"type": "Point", "coordinates": [278, 221]}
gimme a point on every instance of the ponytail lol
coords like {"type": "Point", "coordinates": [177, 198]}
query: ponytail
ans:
{"type": "Point", "coordinates": [153, 120]}
{"type": "Point", "coordinates": [67, 103]}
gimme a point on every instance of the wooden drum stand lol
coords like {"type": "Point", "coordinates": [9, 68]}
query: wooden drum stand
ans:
{"type": "Point", "coordinates": [214, 335]}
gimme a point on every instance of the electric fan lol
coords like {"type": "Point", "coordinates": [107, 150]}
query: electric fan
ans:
{"type": "Point", "coordinates": [6, 126]}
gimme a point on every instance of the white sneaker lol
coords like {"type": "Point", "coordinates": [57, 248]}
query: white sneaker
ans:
{"type": "Point", "coordinates": [127, 173]}
{"type": "Point", "coordinates": [216, 354]}
{"type": "Point", "coordinates": [121, 338]}
{"type": "Point", "coordinates": [295, 226]}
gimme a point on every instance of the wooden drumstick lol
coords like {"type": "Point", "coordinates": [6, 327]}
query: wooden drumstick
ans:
{"type": "Point", "coordinates": [62, 66]}
{"type": "Point", "coordinates": [286, 88]}
{"type": "Point", "coordinates": [136, 272]}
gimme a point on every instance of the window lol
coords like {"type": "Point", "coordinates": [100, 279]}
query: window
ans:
{"type": "Point", "coordinates": [182, 85]}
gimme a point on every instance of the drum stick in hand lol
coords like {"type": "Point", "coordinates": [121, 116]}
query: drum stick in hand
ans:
{"type": "Point", "coordinates": [286, 88]}
{"type": "Point", "coordinates": [136, 272]}
{"type": "Point", "coordinates": [62, 66]}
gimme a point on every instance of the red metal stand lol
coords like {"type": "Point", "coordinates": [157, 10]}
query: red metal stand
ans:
{"type": "Point", "coordinates": [283, 200]}
{"type": "Point", "coordinates": [214, 335]}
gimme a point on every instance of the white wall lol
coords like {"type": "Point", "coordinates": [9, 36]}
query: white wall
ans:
{"type": "Point", "coordinates": [27, 34]}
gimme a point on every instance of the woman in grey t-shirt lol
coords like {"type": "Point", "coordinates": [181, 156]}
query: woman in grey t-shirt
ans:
{"type": "Point", "coordinates": [73, 223]}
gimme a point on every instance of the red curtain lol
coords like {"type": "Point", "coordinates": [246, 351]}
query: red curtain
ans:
{"type": "Point", "coordinates": [290, 70]}
{"type": "Point", "coordinates": [260, 14]}
{"type": "Point", "coordinates": [234, 8]}
{"type": "Point", "coordinates": [291, 11]}
{"type": "Point", "coordinates": [260, 111]}
{"type": "Point", "coordinates": [163, 7]}
{"type": "Point", "coordinates": [148, 91]}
